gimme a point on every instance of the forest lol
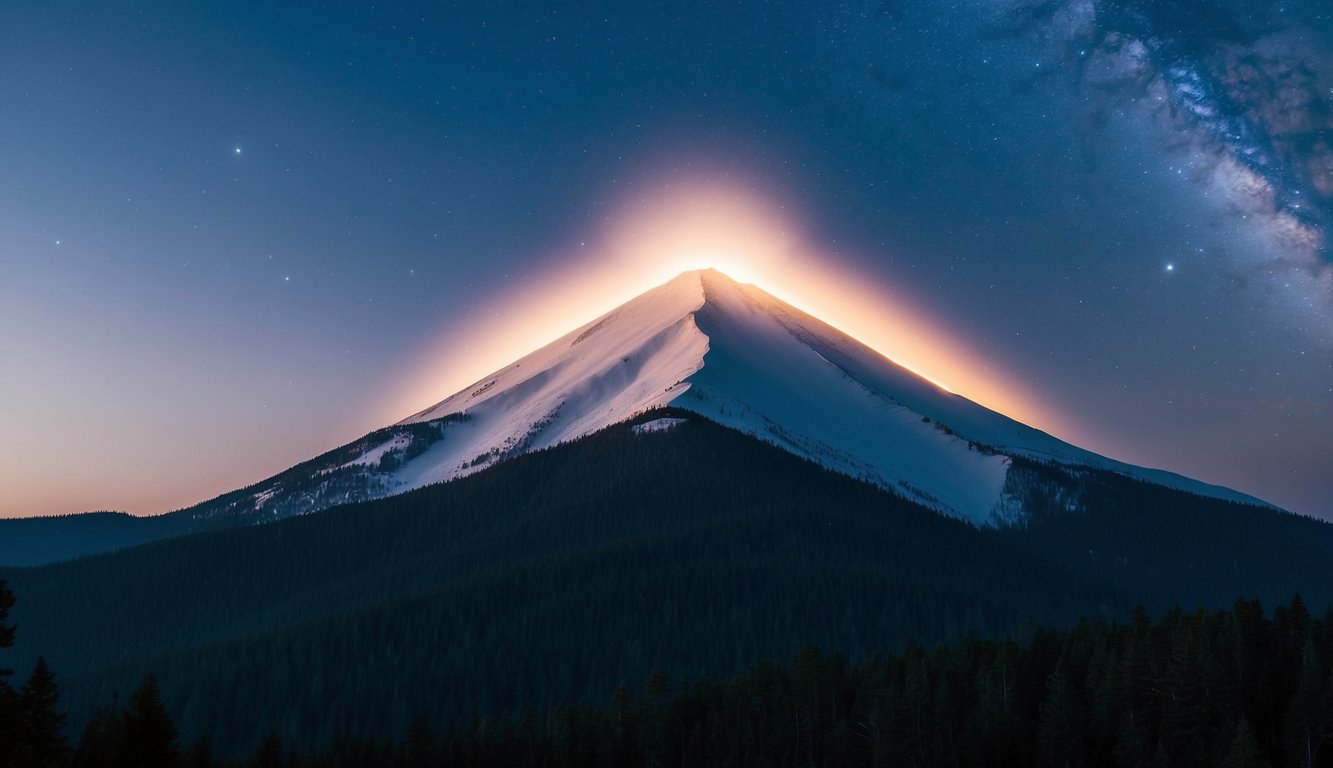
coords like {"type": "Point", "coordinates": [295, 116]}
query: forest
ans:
{"type": "Point", "coordinates": [1237, 688]}
{"type": "Point", "coordinates": [569, 573]}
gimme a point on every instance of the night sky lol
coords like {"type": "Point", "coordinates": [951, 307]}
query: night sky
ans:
{"type": "Point", "coordinates": [233, 237]}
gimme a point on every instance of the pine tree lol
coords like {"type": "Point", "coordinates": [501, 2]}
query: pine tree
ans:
{"type": "Point", "coordinates": [6, 630]}
{"type": "Point", "coordinates": [1244, 749]}
{"type": "Point", "coordinates": [150, 734]}
{"type": "Point", "coordinates": [1058, 731]}
{"type": "Point", "coordinates": [419, 751]}
{"type": "Point", "coordinates": [102, 741]}
{"type": "Point", "coordinates": [201, 753]}
{"type": "Point", "coordinates": [1184, 707]}
{"type": "Point", "coordinates": [9, 707]}
{"type": "Point", "coordinates": [1308, 709]}
{"type": "Point", "coordinates": [42, 742]}
{"type": "Point", "coordinates": [9, 722]}
{"type": "Point", "coordinates": [1129, 744]}
{"type": "Point", "coordinates": [270, 752]}
{"type": "Point", "coordinates": [656, 705]}
{"type": "Point", "coordinates": [623, 742]}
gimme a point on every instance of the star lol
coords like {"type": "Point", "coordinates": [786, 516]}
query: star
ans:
{"type": "Point", "coordinates": [237, 150]}
{"type": "Point", "coordinates": [1170, 267]}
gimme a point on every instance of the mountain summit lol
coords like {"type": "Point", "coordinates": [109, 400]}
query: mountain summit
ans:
{"type": "Point", "coordinates": [735, 354]}
{"type": "Point", "coordinates": [699, 344]}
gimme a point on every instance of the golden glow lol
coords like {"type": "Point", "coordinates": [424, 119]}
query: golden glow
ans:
{"type": "Point", "coordinates": [685, 226]}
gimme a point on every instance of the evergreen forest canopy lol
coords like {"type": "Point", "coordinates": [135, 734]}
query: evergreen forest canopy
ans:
{"type": "Point", "coordinates": [567, 574]}
{"type": "Point", "coordinates": [1229, 688]}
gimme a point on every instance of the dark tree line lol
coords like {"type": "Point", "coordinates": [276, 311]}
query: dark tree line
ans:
{"type": "Point", "coordinates": [33, 727]}
{"type": "Point", "coordinates": [1227, 688]}
{"type": "Point", "coordinates": [32, 730]}
{"type": "Point", "coordinates": [1233, 688]}
{"type": "Point", "coordinates": [561, 574]}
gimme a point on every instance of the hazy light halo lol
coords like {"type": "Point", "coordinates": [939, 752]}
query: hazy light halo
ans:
{"type": "Point", "coordinates": [727, 226]}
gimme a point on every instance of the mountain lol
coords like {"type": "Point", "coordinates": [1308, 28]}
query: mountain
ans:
{"type": "Point", "coordinates": [741, 357]}
{"type": "Point", "coordinates": [668, 542]}
{"type": "Point", "coordinates": [701, 343]}
{"type": "Point", "coordinates": [700, 479]}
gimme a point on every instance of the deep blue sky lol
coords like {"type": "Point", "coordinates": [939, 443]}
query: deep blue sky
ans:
{"type": "Point", "coordinates": [228, 232]}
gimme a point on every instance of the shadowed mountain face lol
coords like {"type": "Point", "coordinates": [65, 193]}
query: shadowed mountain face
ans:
{"type": "Point", "coordinates": [675, 543]}
{"type": "Point", "coordinates": [702, 343]}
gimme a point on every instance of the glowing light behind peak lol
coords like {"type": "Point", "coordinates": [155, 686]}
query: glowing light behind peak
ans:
{"type": "Point", "coordinates": [717, 226]}
{"type": "Point", "coordinates": [723, 226]}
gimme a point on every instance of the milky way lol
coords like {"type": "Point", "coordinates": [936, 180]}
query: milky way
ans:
{"type": "Point", "coordinates": [1246, 89]}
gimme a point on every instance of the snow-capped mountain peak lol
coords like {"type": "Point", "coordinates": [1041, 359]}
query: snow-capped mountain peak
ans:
{"type": "Point", "coordinates": [735, 354]}
{"type": "Point", "coordinates": [704, 345]}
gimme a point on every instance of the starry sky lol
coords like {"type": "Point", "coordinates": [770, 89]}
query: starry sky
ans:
{"type": "Point", "coordinates": [233, 235]}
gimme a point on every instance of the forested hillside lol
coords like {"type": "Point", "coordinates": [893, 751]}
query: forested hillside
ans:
{"type": "Point", "coordinates": [1228, 688]}
{"type": "Point", "coordinates": [564, 574]}
{"type": "Point", "coordinates": [1231, 688]}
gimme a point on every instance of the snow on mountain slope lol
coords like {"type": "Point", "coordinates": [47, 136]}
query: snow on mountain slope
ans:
{"type": "Point", "coordinates": [630, 360]}
{"type": "Point", "coordinates": [735, 354]}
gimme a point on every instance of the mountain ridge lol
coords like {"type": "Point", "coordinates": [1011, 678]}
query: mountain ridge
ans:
{"type": "Point", "coordinates": [956, 464]}
{"type": "Point", "coordinates": [701, 342]}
